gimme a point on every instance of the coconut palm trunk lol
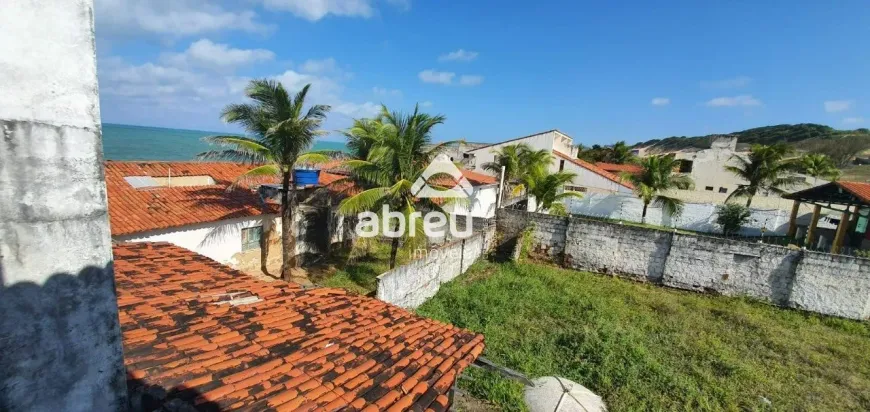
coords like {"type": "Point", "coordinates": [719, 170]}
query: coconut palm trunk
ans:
{"type": "Point", "coordinates": [288, 251]}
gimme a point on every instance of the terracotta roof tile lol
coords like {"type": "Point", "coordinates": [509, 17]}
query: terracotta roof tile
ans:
{"type": "Point", "coordinates": [133, 210]}
{"type": "Point", "coordinates": [293, 349]}
{"type": "Point", "coordinates": [618, 168]}
{"type": "Point", "coordinates": [595, 169]}
{"type": "Point", "coordinates": [859, 189]}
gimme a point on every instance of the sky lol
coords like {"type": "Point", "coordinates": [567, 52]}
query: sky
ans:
{"type": "Point", "coordinates": [598, 71]}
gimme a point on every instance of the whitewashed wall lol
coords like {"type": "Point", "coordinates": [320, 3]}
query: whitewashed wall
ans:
{"type": "Point", "coordinates": [219, 240]}
{"type": "Point", "coordinates": [699, 217]}
{"type": "Point", "coordinates": [541, 141]}
{"type": "Point", "coordinates": [593, 182]}
{"type": "Point", "coordinates": [480, 204]}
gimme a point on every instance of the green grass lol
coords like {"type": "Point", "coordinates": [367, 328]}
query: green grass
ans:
{"type": "Point", "coordinates": [856, 173]}
{"type": "Point", "coordinates": [645, 347]}
{"type": "Point", "coordinates": [355, 268]}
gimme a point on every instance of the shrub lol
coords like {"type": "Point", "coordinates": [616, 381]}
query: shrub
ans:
{"type": "Point", "coordinates": [731, 217]}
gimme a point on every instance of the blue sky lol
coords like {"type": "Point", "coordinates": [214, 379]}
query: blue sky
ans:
{"type": "Point", "coordinates": [598, 71]}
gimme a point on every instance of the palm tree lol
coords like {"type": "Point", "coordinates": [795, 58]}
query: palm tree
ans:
{"type": "Point", "coordinates": [657, 176]}
{"type": "Point", "coordinates": [547, 188]}
{"type": "Point", "coordinates": [518, 160]}
{"type": "Point", "coordinates": [282, 132]}
{"type": "Point", "coordinates": [621, 153]}
{"type": "Point", "coordinates": [766, 168]}
{"type": "Point", "coordinates": [818, 166]}
{"type": "Point", "coordinates": [392, 166]}
{"type": "Point", "coordinates": [363, 136]}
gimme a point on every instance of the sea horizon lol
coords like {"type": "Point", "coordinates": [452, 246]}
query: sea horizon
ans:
{"type": "Point", "coordinates": [137, 142]}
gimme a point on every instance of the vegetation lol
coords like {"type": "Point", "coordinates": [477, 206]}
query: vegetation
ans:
{"type": "Point", "coordinates": [643, 347]}
{"type": "Point", "coordinates": [393, 163]}
{"type": "Point", "coordinates": [657, 176]}
{"type": "Point", "coordinates": [731, 217]}
{"type": "Point", "coordinates": [818, 166]}
{"type": "Point", "coordinates": [767, 135]}
{"type": "Point", "coordinates": [282, 132]}
{"type": "Point", "coordinates": [856, 173]}
{"type": "Point", "coordinates": [518, 160]}
{"type": "Point", "coordinates": [841, 151]}
{"type": "Point", "coordinates": [767, 168]}
{"type": "Point", "coordinates": [548, 190]}
{"type": "Point", "coordinates": [619, 153]}
{"type": "Point", "coordinates": [355, 268]}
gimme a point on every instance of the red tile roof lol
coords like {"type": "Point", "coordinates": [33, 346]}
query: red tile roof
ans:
{"type": "Point", "coordinates": [859, 189]}
{"type": "Point", "coordinates": [619, 168]}
{"type": "Point", "coordinates": [595, 169]}
{"type": "Point", "coordinates": [478, 179]}
{"type": "Point", "coordinates": [289, 349]}
{"type": "Point", "coordinates": [134, 210]}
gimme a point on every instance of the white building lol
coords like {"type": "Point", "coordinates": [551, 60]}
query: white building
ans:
{"type": "Point", "coordinates": [187, 204]}
{"type": "Point", "coordinates": [590, 178]}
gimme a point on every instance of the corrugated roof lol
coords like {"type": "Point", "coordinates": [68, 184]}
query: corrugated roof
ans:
{"type": "Point", "coordinates": [278, 347]}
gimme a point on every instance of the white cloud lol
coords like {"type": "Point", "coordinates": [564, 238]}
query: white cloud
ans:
{"type": "Point", "coordinates": [742, 100]}
{"type": "Point", "coordinates": [327, 65]}
{"type": "Point", "coordinates": [172, 18]}
{"type": "Point", "coordinates": [470, 80]}
{"type": "Point", "coordinates": [433, 76]}
{"type": "Point", "coordinates": [660, 101]}
{"type": "Point", "coordinates": [458, 55]}
{"type": "Point", "coordinates": [215, 56]}
{"type": "Point", "coordinates": [833, 106]}
{"type": "Point", "coordinates": [853, 120]}
{"type": "Point", "coordinates": [384, 92]}
{"type": "Point", "coordinates": [314, 10]}
{"type": "Point", "coordinates": [733, 83]}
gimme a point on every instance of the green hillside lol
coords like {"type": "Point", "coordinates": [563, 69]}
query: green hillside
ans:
{"type": "Point", "coordinates": [842, 145]}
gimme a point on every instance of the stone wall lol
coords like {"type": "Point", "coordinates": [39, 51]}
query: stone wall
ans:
{"type": "Point", "coordinates": [412, 284]}
{"type": "Point", "coordinates": [829, 284]}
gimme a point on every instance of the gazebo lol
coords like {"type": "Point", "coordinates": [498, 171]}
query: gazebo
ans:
{"type": "Point", "coordinates": [849, 198]}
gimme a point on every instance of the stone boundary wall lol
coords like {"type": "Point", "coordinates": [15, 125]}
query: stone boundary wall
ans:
{"type": "Point", "coordinates": [819, 282]}
{"type": "Point", "coordinates": [412, 284]}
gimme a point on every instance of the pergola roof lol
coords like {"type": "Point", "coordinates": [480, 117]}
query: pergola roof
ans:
{"type": "Point", "coordinates": [840, 193]}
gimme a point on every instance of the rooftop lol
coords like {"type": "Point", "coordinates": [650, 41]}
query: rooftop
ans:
{"type": "Point", "coordinates": [594, 169]}
{"type": "Point", "coordinates": [619, 168]}
{"type": "Point", "coordinates": [138, 209]}
{"type": "Point", "coordinates": [197, 332]}
{"type": "Point", "coordinates": [838, 192]}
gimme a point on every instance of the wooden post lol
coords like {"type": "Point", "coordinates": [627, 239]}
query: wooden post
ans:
{"type": "Point", "coordinates": [855, 216]}
{"type": "Point", "coordinates": [792, 221]}
{"type": "Point", "coordinates": [842, 228]}
{"type": "Point", "coordinates": [811, 233]}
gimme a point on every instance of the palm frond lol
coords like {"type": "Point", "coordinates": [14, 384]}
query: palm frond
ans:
{"type": "Point", "coordinates": [259, 171]}
{"type": "Point", "coordinates": [366, 200]}
{"type": "Point", "coordinates": [670, 205]}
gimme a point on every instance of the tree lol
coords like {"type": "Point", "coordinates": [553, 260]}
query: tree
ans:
{"type": "Point", "coordinates": [731, 217]}
{"type": "Point", "coordinates": [620, 153]}
{"type": "Point", "coordinates": [363, 136]}
{"type": "Point", "coordinates": [819, 166]}
{"type": "Point", "coordinates": [657, 176]}
{"type": "Point", "coordinates": [594, 154]}
{"type": "Point", "coordinates": [282, 132]}
{"type": "Point", "coordinates": [548, 190]}
{"type": "Point", "coordinates": [518, 160]}
{"type": "Point", "coordinates": [766, 168]}
{"type": "Point", "coordinates": [392, 166]}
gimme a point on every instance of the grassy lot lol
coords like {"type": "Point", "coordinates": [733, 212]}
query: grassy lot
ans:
{"type": "Point", "coordinates": [645, 347]}
{"type": "Point", "coordinates": [856, 173]}
{"type": "Point", "coordinates": [355, 268]}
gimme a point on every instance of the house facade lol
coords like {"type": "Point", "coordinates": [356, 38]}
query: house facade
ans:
{"type": "Point", "coordinates": [188, 204]}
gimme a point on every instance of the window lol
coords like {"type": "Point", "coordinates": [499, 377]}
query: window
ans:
{"type": "Point", "coordinates": [710, 188]}
{"type": "Point", "coordinates": [561, 165]}
{"type": "Point", "coordinates": [686, 166]}
{"type": "Point", "coordinates": [575, 189]}
{"type": "Point", "coordinates": [723, 190]}
{"type": "Point", "coordinates": [251, 237]}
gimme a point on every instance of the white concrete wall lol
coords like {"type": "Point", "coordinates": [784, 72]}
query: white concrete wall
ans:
{"type": "Point", "coordinates": [60, 340]}
{"type": "Point", "coordinates": [695, 217]}
{"type": "Point", "coordinates": [542, 141]}
{"type": "Point", "coordinates": [412, 284]}
{"type": "Point", "coordinates": [217, 240]}
{"type": "Point", "coordinates": [480, 204]}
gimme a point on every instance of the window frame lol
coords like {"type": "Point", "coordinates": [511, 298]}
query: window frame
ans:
{"type": "Point", "coordinates": [248, 243]}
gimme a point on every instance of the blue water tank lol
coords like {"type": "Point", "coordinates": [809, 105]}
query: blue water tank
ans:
{"type": "Point", "coordinates": [306, 177]}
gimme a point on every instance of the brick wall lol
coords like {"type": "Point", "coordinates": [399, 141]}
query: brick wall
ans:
{"type": "Point", "coordinates": [818, 282]}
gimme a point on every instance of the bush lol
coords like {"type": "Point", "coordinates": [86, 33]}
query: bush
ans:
{"type": "Point", "coordinates": [731, 217]}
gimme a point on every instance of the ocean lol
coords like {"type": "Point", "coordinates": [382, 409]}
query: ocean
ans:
{"type": "Point", "coordinates": [124, 142]}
